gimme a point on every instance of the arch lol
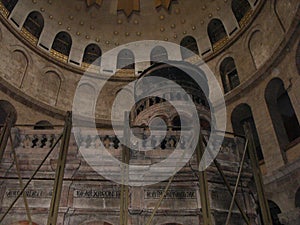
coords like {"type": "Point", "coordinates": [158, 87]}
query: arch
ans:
{"type": "Point", "coordinates": [9, 4]}
{"type": "Point", "coordinates": [62, 44]}
{"type": "Point", "coordinates": [216, 31]}
{"type": "Point", "coordinates": [240, 8]}
{"type": "Point", "coordinates": [297, 198]}
{"type": "Point", "coordinates": [50, 87]}
{"type": "Point", "coordinates": [229, 74]}
{"type": "Point", "coordinates": [275, 211]}
{"type": "Point", "coordinates": [188, 43]}
{"type": "Point", "coordinates": [43, 125]}
{"type": "Point", "coordinates": [86, 103]}
{"type": "Point", "coordinates": [125, 59]}
{"type": "Point", "coordinates": [255, 44]}
{"type": "Point", "coordinates": [92, 53]}
{"type": "Point", "coordinates": [19, 64]}
{"type": "Point", "coordinates": [6, 109]}
{"type": "Point", "coordinates": [282, 113]}
{"type": "Point", "coordinates": [158, 54]}
{"type": "Point", "coordinates": [239, 116]}
{"type": "Point", "coordinates": [34, 24]}
{"type": "Point", "coordinates": [298, 58]}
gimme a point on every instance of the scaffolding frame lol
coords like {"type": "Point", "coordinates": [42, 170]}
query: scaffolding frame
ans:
{"type": "Point", "coordinates": [124, 197]}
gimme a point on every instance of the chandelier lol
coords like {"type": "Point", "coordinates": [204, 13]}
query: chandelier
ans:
{"type": "Point", "coordinates": [128, 6]}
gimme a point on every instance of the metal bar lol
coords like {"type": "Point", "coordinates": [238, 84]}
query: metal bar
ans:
{"type": "Point", "coordinates": [20, 179]}
{"type": "Point", "coordinates": [124, 195]}
{"type": "Point", "coordinates": [30, 179]}
{"type": "Point", "coordinates": [245, 217]}
{"type": "Point", "coordinates": [204, 198]}
{"type": "Point", "coordinates": [60, 171]}
{"type": "Point", "coordinates": [263, 203]}
{"type": "Point", "coordinates": [160, 200]}
{"type": "Point", "coordinates": [5, 135]}
{"type": "Point", "coordinates": [236, 185]}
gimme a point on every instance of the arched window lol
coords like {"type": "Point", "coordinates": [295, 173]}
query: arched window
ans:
{"type": "Point", "coordinates": [9, 5]}
{"type": "Point", "coordinates": [34, 25]}
{"type": "Point", "coordinates": [125, 59]}
{"type": "Point", "coordinates": [240, 8]}
{"type": "Point", "coordinates": [7, 109]}
{"type": "Point", "coordinates": [275, 211]}
{"type": "Point", "coordinates": [229, 74]}
{"type": "Point", "coordinates": [158, 54]}
{"type": "Point", "coordinates": [43, 125]}
{"type": "Point", "coordinates": [62, 45]}
{"type": "Point", "coordinates": [91, 53]}
{"type": "Point", "coordinates": [216, 32]}
{"type": "Point", "coordinates": [242, 114]}
{"type": "Point", "coordinates": [282, 113]}
{"type": "Point", "coordinates": [189, 43]}
{"type": "Point", "coordinates": [297, 199]}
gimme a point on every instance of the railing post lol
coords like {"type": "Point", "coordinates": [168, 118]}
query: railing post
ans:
{"type": "Point", "coordinates": [263, 203]}
{"type": "Point", "coordinates": [60, 171]}
{"type": "Point", "coordinates": [204, 196]}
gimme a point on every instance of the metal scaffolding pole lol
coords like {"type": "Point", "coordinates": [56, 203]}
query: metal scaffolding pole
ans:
{"type": "Point", "coordinates": [124, 195]}
{"type": "Point", "coordinates": [227, 184]}
{"type": "Point", "coordinates": [263, 203]}
{"type": "Point", "coordinates": [236, 185]}
{"type": "Point", "coordinates": [60, 171]}
{"type": "Point", "coordinates": [20, 179]}
{"type": "Point", "coordinates": [204, 197]}
{"type": "Point", "coordinates": [5, 135]}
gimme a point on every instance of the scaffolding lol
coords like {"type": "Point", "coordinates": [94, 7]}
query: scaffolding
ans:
{"type": "Point", "coordinates": [64, 139]}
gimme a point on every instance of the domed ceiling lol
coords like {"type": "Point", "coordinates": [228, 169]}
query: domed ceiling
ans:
{"type": "Point", "coordinates": [109, 23]}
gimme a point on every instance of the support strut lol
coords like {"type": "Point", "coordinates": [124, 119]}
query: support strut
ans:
{"type": "Point", "coordinates": [60, 171]}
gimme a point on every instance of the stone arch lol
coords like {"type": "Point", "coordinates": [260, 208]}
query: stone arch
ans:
{"type": "Point", "coordinates": [158, 54]}
{"type": "Point", "coordinates": [275, 211]}
{"type": "Point", "coordinates": [92, 53]}
{"type": "Point", "coordinates": [17, 67]}
{"type": "Point", "coordinates": [9, 5]}
{"type": "Point", "coordinates": [256, 48]}
{"type": "Point", "coordinates": [43, 125]}
{"type": "Point", "coordinates": [189, 47]}
{"type": "Point", "coordinates": [6, 109]}
{"type": "Point", "coordinates": [240, 8]}
{"type": "Point", "coordinates": [241, 114]}
{"type": "Point", "coordinates": [61, 46]}
{"type": "Point", "coordinates": [216, 31]}
{"type": "Point", "coordinates": [229, 75]}
{"type": "Point", "coordinates": [34, 24]}
{"type": "Point", "coordinates": [50, 87]}
{"type": "Point", "coordinates": [125, 59]}
{"type": "Point", "coordinates": [281, 110]}
{"type": "Point", "coordinates": [86, 103]}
